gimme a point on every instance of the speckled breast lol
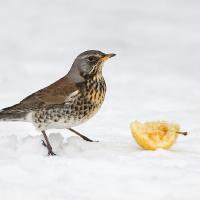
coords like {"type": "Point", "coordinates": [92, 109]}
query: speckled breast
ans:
{"type": "Point", "coordinates": [78, 108]}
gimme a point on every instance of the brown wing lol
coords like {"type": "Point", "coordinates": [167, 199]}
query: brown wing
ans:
{"type": "Point", "coordinates": [51, 95]}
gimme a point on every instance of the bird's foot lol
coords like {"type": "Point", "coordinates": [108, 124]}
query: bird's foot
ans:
{"type": "Point", "coordinates": [82, 136]}
{"type": "Point", "coordinates": [50, 151]}
{"type": "Point", "coordinates": [89, 140]}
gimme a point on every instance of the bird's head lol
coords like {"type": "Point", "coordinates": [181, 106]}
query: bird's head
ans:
{"type": "Point", "coordinates": [88, 64]}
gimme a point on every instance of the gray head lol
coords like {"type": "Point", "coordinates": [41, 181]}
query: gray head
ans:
{"type": "Point", "coordinates": [88, 64]}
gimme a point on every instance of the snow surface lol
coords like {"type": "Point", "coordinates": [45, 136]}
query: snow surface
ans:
{"type": "Point", "coordinates": [155, 76]}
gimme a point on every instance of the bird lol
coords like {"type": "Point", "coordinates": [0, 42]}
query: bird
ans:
{"type": "Point", "coordinates": [68, 102]}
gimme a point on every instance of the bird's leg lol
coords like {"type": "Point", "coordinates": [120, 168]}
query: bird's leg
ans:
{"type": "Point", "coordinates": [82, 136]}
{"type": "Point", "coordinates": [43, 143]}
{"type": "Point", "coordinates": [48, 145]}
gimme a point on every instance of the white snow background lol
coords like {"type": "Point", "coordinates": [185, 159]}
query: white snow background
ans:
{"type": "Point", "coordinates": [155, 76]}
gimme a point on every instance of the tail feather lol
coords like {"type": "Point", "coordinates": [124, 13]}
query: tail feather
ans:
{"type": "Point", "coordinates": [12, 116]}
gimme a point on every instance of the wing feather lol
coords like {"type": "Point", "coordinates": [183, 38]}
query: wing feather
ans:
{"type": "Point", "coordinates": [55, 94]}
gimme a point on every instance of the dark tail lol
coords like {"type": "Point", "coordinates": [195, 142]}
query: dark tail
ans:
{"type": "Point", "coordinates": [12, 116]}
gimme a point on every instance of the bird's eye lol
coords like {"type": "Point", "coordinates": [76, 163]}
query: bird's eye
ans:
{"type": "Point", "coordinates": [92, 58]}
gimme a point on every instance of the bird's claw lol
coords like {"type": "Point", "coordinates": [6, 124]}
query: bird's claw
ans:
{"type": "Point", "coordinates": [51, 153]}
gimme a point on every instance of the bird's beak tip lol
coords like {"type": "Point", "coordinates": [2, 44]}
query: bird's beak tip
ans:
{"type": "Point", "coordinates": [111, 55]}
{"type": "Point", "coordinates": [107, 56]}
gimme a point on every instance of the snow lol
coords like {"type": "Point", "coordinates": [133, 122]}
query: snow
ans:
{"type": "Point", "coordinates": [155, 76]}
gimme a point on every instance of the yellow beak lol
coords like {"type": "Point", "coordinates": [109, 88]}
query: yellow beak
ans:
{"type": "Point", "coordinates": [107, 56]}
